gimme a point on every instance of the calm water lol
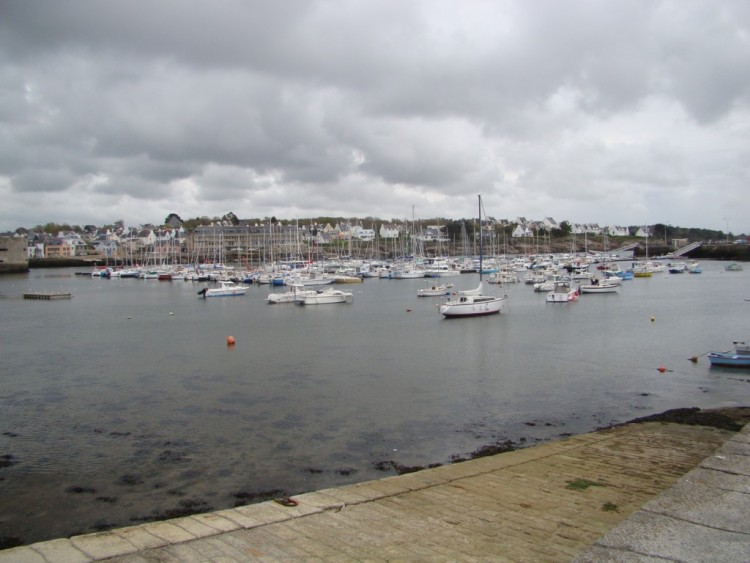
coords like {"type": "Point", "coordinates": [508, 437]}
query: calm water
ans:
{"type": "Point", "coordinates": [124, 404]}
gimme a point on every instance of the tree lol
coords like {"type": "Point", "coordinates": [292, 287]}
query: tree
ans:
{"type": "Point", "coordinates": [173, 216]}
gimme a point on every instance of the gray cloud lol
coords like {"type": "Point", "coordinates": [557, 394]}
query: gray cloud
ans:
{"type": "Point", "coordinates": [367, 108]}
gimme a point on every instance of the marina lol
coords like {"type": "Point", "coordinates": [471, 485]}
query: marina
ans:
{"type": "Point", "coordinates": [126, 405]}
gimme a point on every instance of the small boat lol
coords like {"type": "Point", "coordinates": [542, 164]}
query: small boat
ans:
{"type": "Point", "coordinates": [679, 268]}
{"type": "Point", "coordinates": [503, 276]}
{"type": "Point", "coordinates": [740, 357]}
{"type": "Point", "coordinates": [226, 289]}
{"type": "Point", "coordinates": [347, 279]}
{"type": "Point", "coordinates": [326, 297]}
{"type": "Point", "coordinates": [434, 290]}
{"type": "Point", "coordinates": [296, 293]}
{"type": "Point", "coordinates": [694, 267]}
{"type": "Point", "coordinates": [733, 267]}
{"type": "Point", "coordinates": [562, 293]}
{"type": "Point", "coordinates": [597, 286]}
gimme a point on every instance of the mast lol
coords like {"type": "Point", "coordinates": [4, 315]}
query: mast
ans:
{"type": "Point", "coordinates": [480, 238]}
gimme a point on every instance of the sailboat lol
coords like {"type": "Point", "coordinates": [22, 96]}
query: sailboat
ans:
{"type": "Point", "coordinates": [473, 302]}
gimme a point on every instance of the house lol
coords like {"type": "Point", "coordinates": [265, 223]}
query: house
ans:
{"type": "Point", "coordinates": [615, 231]}
{"type": "Point", "coordinates": [388, 231]}
{"type": "Point", "coordinates": [146, 237]}
{"type": "Point", "coordinates": [365, 235]}
{"type": "Point", "coordinates": [58, 248]}
{"type": "Point", "coordinates": [643, 232]}
{"type": "Point", "coordinates": [105, 246]}
{"type": "Point", "coordinates": [522, 231]}
{"type": "Point", "coordinates": [585, 228]}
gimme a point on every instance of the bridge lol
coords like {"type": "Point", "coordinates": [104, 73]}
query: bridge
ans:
{"type": "Point", "coordinates": [684, 250]}
{"type": "Point", "coordinates": [625, 248]}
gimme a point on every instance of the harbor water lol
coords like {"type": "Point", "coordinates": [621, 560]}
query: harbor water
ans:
{"type": "Point", "coordinates": [125, 404]}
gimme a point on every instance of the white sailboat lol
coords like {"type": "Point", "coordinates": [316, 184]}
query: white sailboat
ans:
{"type": "Point", "coordinates": [474, 303]}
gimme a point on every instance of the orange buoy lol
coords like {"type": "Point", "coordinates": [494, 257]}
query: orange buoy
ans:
{"type": "Point", "coordinates": [230, 340]}
{"type": "Point", "coordinates": [661, 369]}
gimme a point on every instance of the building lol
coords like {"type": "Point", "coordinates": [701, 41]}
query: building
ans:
{"type": "Point", "coordinates": [388, 231]}
{"type": "Point", "coordinates": [13, 255]}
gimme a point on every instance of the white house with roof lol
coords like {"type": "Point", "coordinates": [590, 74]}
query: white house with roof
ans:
{"type": "Point", "coordinates": [616, 231]}
{"type": "Point", "coordinates": [522, 230]}
{"type": "Point", "coordinates": [388, 231]}
{"type": "Point", "coordinates": [585, 228]}
{"type": "Point", "coordinates": [365, 235]}
{"type": "Point", "coordinates": [146, 237]}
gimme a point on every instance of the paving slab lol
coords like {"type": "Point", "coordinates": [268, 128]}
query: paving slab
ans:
{"type": "Point", "coordinates": [654, 535]}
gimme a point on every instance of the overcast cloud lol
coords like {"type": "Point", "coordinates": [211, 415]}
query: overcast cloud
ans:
{"type": "Point", "coordinates": [620, 112]}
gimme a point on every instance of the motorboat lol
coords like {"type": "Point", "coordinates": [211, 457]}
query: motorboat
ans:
{"type": "Point", "coordinates": [562, 293]}
{"type": "Point", "coordinates": [225, 289]}
{"type": "Point", "coordinates": [309, 280]}
{"type": "Point", "coordinates": [597, 286]}
{"type": "Point", "coordinates": [435, 290]}
{"type": "Point", "coordinates": [296, 293]}
{"type": "Point", "coordinates": [740, 357]}
{"type": "Point", "coordinates": [326, 297]}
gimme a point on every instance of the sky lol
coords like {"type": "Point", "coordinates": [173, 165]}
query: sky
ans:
{"type": "Point", "coordinates": [615, 112]}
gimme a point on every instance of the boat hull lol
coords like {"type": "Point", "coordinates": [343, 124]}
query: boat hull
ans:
{"type": "Point", "coordinates": [473, 306]}
{"type": "Point", "coordinates": [562, 297]}
{"type": "Point", "coordinates": [601, 288]}
{"type": "Point", "coordinates": [725, 359]}
{"type": "Point", "coordinates": [327, 298]}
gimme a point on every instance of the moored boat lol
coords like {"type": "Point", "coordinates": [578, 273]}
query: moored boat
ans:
{"type": "Point", "coordinates": [225, 289]}
{"type": "Point", "coordinates": [326, 297]}
{"type": "Point", "coordinates": [435, 290]}
{"type": "Point", "coordinates": [562, 293]}
{"type": "Point", "coordinates": [597, 286]}
{"type": "Point", "coordinates": [740, 357]}
{"type": "Point", "coordinates": [472, 303]}
{"type": "Point", "coordinates": [296, 293]}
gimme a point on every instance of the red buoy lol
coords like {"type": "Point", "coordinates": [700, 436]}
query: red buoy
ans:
{"type": "Point", "coordinates": [230, 341]}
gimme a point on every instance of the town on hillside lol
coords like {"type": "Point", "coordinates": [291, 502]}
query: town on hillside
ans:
{"type": "Point", "coordinates": [255, 241]}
